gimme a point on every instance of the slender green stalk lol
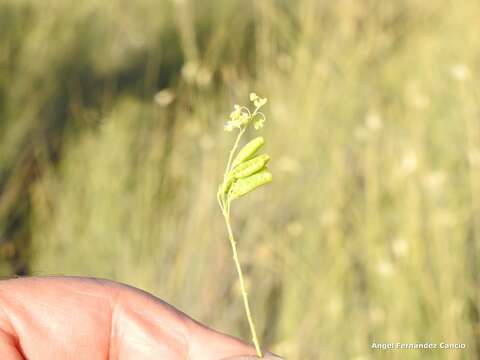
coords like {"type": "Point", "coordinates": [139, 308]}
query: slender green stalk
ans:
{"type": "Point", "coordinates": [234, 149]}
{"type": "Point", "coordinates": [242, 175]}
{"type": "Point", "coordinates": [233, 244]}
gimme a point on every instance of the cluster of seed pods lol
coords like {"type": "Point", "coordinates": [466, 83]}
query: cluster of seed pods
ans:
{"type": "Point", "coordinates": [248, 171]}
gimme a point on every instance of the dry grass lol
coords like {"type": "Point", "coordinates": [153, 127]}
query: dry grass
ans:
{"type": "Point", "coordinates": [370, 230]}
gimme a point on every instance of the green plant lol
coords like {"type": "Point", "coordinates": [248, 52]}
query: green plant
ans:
{"type": "Point", "coordinates": [243, 174]}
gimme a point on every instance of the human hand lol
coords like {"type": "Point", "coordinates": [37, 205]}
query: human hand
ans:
{"type": "Point", "coordinates": [81, 318]}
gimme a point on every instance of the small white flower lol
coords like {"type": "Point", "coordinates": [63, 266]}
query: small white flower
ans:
{"type": "Point", "coordinates": [241, 116]}
{"type": "Point", "coordinates": [259, 123]}
{"type": "Point", "coordinates": [235, 114]}
{"type": "Point", "coordinates": [260, 102]}
{"type": "Point", "coordinates": [244, 118]}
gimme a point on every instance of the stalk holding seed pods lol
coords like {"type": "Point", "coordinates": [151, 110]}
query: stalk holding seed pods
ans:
{"type": "Point", "coordinates": [243, 175]}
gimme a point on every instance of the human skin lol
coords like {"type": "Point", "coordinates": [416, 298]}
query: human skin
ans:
{"type": "Point", "coordinates": [73, 318]}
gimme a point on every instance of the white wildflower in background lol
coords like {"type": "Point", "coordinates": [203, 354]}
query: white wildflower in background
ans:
{"type": "Point", "coordinates": [460, 72]}
{"type": "Point", "coordinates": [385, 268]}
{"type": "Point", "coordinates": [164, 97]}
{"type": "Point", "coordinates": [409, 162]}
{"type": "Point", "coordinates": [434, 181]}
{"type": "Point", "coordinates": [373, 121]}
{"type": "Point", "coordinates": [400, 247]}
{"type": "Point", "coordinates": [189, 71]}
{"type": "Point", "coordinates": [474, 157]}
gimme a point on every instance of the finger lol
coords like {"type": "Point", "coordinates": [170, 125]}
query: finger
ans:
{"type": "Point", "coordinates": [144, 327]}
{"type": "Point", "coordinates": [78, 318]}
{"type": "Point", "coordinates": [52, 318]}
{"type": "Point", "coordinates": [207, 344]}
{"type": "Point", "coordinates": [8, 348]}
{"type": "Point", "coordinates": [61, 317]}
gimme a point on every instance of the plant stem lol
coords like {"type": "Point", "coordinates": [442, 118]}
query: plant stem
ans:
{"type": "Point", "coordinates": [232, 152]}
{"type": "Point", "coordinates": [242, 284]}
{"type": "Point", "coordinates": [235, 145]}
{"type": "Point", "coordinates": [224, 202]}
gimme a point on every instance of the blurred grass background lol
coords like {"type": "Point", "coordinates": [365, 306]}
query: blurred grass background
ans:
{"type": "Point", "coordinates": [112, 144]}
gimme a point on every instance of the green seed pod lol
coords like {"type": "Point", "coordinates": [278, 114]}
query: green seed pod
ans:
{"type": "Point", "coordinates": [245, 185]}
{"type": "Point", "coordinates": [248, 150]}
{"type": "Point", "coordinates": [227, 184]}
{"type": "Point", "coordinates": [250, 167]}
